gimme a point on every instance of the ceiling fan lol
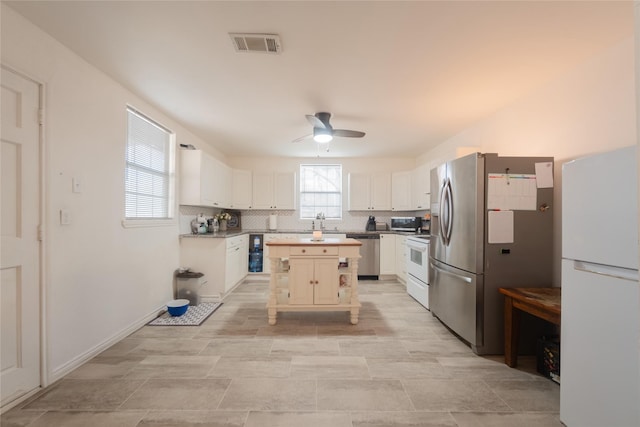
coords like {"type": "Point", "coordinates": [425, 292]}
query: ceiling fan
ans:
{"type": "Point", "coordinates": [323, 132]}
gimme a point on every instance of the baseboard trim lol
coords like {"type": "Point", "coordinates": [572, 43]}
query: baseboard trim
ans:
{"type": "Point", "coordinates": [77, 361]}
{"type": "Point", "coordinates": [18, 400]}
{"type": "Point", "coordinates": [211, 298]}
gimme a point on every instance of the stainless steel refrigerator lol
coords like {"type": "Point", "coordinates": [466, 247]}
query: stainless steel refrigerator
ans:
{"type": "Point", "coordinates": [491, 227]}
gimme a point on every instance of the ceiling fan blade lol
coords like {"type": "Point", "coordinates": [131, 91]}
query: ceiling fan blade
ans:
{"type": "Point", "coordinates": [316, 122]}
{"type": "Point", "coordinates": [348, 133]}
{"type": "Point", "coordinates": [302, 138]}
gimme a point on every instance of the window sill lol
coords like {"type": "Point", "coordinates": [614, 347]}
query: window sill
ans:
{"type": "Point", "coordinates": [137, 223]}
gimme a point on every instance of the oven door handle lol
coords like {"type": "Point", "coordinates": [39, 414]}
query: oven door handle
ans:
{"type": "Point", "coordinates": [419, 248]}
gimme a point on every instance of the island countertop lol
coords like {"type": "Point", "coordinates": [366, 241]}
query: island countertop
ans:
{"type": "Point", "coordinates": [327, 241]}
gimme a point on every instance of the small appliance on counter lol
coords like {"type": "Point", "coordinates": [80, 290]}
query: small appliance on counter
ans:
{"type": "Point", "coordinates": [381, 226]}
{"type": "Point", "coordinates": [199, 225]}
{"type": "Point", "coordinates": [404, 223]}
{"type": "Point", "coordinates": [425, 221]}
{"type": "Point", "coordinates": [371, 223]}
{"type": "Point", "coordinates": [273, 222]}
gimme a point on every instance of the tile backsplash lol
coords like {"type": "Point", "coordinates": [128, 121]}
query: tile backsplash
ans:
{"type": "Point", "coordinates": [288, 220]}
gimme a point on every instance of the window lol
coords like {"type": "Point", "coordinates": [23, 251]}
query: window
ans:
{"type": "Point", "coordinates": [149, 174]}
{"type": "Point", "coordinates": [321, 191]}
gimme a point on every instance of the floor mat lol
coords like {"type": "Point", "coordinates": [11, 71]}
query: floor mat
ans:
{"type": "Point", "coordinates": [195, 315]}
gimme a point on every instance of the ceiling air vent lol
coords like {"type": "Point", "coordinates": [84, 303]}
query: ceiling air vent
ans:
{"type": "Point", "coordinates": [262, 43]}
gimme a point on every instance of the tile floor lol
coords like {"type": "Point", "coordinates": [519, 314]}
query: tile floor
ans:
{"type": "Point", "coordinates": [398, 367]}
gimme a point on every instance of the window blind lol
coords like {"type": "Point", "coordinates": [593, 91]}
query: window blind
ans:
{"type": "Point", "coordinates": [149, 169]}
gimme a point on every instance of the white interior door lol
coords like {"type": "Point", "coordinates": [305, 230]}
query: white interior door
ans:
{"type": "Point", "coordinates": [19, 252]}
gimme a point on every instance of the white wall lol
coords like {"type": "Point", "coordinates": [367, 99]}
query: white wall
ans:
{"type": "Point", "coordinates": [101, 280]}
{"type": "Point", "coordinates": [590, 109]}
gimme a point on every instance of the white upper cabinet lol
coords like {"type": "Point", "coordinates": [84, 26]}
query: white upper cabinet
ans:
{"type": "Point", "coordinates": [359, 191]}
{"type": "Point", "coordinates": [274, 190]}
{"type": "Point", "coordinates": [204, 180]}
{"type": "Point", "coordinates": [284, 196]}
{"type": "Point", "coordinates": [242, 193]}
{"type": "Point", "coordinates": [401, 191]}
{"type": "Point", "coordinates": [421, 187]}
{"type": "Point", "coordinates": [221, 184]}
{"type": "Point", "coordinates": [370, 191]}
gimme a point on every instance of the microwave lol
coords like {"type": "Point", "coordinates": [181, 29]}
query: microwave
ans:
{"type": "Point", "coordinates": [405, 223]}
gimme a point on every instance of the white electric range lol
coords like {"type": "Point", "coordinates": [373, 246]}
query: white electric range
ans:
{"type": "Point", "coordinates": [418, 268]}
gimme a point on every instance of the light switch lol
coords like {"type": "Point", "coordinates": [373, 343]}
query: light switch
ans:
{"type": "Point", "coordinates": [76, 184]}
{"type": "Point", "coordinates": [65, 217]}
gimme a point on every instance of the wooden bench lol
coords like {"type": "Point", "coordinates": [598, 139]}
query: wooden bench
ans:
{"type": "Point", "coordinates": [540, 302]}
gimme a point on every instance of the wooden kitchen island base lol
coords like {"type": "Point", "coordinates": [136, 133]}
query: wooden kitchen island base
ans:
{"type": "Point", "coordinates": [354, 309]}
{"type": "Point", "coordinates": [310, 275]}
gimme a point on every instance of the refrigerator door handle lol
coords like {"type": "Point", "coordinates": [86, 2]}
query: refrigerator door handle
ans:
{"type": "Point", "coordinates": [604, 270]}
{"type": "Point", "coordinates": [450, 210]}
{"type": "Point", "coordinates": [443, 219]}
{"type": "Point", "coordinates": [438, 269]}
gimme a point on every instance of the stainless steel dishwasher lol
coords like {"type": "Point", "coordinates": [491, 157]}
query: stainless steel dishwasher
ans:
{"type": "Point", "coordinates": [369, 264]}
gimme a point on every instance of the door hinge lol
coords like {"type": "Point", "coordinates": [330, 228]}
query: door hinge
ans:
{"type": "Point", "coordinates": [40, 116]}
{"type": "Point", "coordinates": [40, 233]}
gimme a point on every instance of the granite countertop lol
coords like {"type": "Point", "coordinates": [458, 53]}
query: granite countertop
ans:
{"type": "Point", "coordinates": [233, 233]}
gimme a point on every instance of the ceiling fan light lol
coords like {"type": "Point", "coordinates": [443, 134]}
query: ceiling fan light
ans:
{"type": "Point", "coordinates": [322, 136]}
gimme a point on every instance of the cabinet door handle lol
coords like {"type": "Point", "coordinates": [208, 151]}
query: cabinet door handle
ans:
{"type": "Point", "coordinates": [304, 250]}
{"type": "Point", "coordinates": [311, 282]}
{"type": "Point", "coordinates": [324, 251]}
{"type": "Point", "coordinates": [316, 282]}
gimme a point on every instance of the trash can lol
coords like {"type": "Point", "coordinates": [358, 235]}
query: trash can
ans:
{"type": "Point", "coordinates": [189, 283]}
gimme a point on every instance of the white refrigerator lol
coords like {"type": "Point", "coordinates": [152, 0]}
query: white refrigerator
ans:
{"type": "Point", "coordinates": [600, 338]}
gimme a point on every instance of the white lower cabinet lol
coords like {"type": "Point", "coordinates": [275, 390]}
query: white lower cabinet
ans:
{"type": "Point", "coordinates": [236, 261]}
{"type": "Point", "coordinates": [401, 257]}
{"type": "Point", "coordinates": [224, 262]}
{"type": "Point", "coordinates": [313, 281]}
{"type": "Point", "coordinates": [387, 254]}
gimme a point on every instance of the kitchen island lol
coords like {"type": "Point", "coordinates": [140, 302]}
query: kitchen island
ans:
{"type": "Point", "coordinates": [314, 275]}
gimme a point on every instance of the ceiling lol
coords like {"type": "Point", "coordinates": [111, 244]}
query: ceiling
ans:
{"type": "Point", "coordinates": [409, 74]}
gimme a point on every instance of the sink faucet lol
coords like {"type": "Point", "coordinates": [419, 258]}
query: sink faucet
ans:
{"type": "Point", "coordinates": [320, 216]}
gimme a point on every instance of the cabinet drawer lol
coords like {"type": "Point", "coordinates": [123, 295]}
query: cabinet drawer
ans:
{"type": "Point", "coordinates": [314, 251]}
{"type": "Point", "coordinates": [233, 242]}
